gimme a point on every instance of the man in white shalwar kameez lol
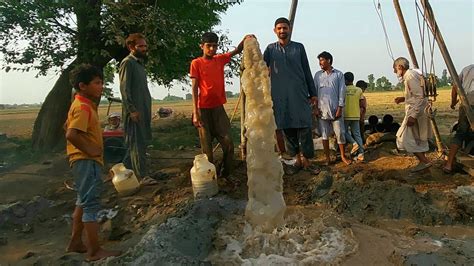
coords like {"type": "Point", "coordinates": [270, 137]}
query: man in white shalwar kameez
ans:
{"type": "Point", "coordinates": [415, 130]}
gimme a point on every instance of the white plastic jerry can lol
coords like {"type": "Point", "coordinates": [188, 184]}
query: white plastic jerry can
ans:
{"type": "Point", "coordinates": [124, 180]}
{"type": "Point", "coordinates": [203, 177]}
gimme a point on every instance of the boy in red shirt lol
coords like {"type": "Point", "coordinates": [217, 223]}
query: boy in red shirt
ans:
{"type": "Point", "coordinates": [209, 116]}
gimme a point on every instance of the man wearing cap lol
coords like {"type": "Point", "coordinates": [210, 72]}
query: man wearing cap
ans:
{"type": "Point", "coordinates": [415, 130]}
{"type": "Point", "coordinates": [293, 93]}
{"type": "Point", "coordinates": [113, 122]}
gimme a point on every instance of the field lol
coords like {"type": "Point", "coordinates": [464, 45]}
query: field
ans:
{"type": "Point", "coordinates": [19, 123]}
{"type": "Point", "coordinates": [372, 213]}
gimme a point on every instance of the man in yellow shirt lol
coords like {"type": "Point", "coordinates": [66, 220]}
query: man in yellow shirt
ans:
{"type": "Point", "coordinates": [354, 98]}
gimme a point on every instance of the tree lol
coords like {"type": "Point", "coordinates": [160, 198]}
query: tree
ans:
{"type": "Point", "coordinates": [229, 94]}
{"type": "Point", "coordinates": [371, 79]}
{"type": "Point", "coordinates": [444, 79]}
{"type": "Point", "coordinates": [51, 35]}
{"type": "Point", "coordinates": [383, 84]}
{"type": "Point", "coordinates": [171, 98]}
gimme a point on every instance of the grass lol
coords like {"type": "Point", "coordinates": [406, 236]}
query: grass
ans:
{"type": "Point", "coordinates": [172, 133]}
{"type": "Point", "coordinates": [176, 133]}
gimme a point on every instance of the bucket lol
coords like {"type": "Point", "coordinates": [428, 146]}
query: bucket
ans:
{"type": "Point", "coordinates": [203, 177]}
{"type": "Point", "coordinates": [124, 180]}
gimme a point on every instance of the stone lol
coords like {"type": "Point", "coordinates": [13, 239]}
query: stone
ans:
{"type": "Point", "coordinates": [18, 210]}
{"type": "Point", "coordinates": [321, 184]}
{"type": "Point", "coordinates": [28, 254]}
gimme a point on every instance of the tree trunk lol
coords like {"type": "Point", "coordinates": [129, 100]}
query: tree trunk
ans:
{"type": "Point", "coordinates": [48, 131]}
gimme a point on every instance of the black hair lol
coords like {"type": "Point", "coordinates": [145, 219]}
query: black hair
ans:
{"type": "Point", "coordinates": [133, 38]}
{"type": "Point", "coordinates": [349, 77]}
{"type": "Point", "coordinates": [394, 127]}
{"type": "Point", "coordinates": [209, 37]}
{"type": "Point", "coordinates": [84, 73]}
{"type": "Point", "coordinates": [361, 84]}
{"type": "Point", "coordinates": [387, 119]}
{"type": "Point", "coordinates": [282, 20]}
{"type": "Point", "coordinates": [326, 56]}
{"type": "Point", "coordinates": [373, 120]}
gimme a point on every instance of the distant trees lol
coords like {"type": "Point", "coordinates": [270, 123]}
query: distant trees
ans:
{"type": "Point", "coordinates": [371, 79]}
{"type": "Point", "coordinates": [444, 80]}
{"type": "Point", "coordinates": [383, 84]}
{"type": "Point", "coordinates": [380, 84]}
{"type": "Point", "coordinates": [172, 98]}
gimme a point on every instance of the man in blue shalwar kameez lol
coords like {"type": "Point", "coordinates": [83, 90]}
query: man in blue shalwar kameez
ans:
{"type": "Point", "coordinates": [293, 93]}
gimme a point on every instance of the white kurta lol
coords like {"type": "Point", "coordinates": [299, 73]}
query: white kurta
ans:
{"type": "Point", "coordinates": [414, 139]}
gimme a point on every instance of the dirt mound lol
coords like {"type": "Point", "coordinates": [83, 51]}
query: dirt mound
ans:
{"type": "Point", "coordinates": [185, 239]}
{"type": "Point", "coordinates": [369, 199]}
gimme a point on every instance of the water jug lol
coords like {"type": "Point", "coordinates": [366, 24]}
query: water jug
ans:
{"type": "Point", "coordinates": [203, 177]}
{"type": "Point", "coordinates": [124, 180]}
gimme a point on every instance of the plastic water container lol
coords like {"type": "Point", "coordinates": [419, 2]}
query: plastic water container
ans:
{"type": "Point", "coordinates": [203, 177]}
{"type": "Point", "coordinates": [124, 180]}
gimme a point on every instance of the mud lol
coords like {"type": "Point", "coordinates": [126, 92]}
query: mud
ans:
{"type": "Point", "coordinates": [185, 239]}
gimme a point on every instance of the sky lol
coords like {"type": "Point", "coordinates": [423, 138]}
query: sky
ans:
{"type": "Point", "coordinates": [349, 29]}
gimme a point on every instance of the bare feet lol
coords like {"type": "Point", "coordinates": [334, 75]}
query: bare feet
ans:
{"type": "Point", "coordinates": [76, 246]}
{"type": "Point", "coordinates": [102, 254]}
{"type": "Point", "coordinates": [347, 162]}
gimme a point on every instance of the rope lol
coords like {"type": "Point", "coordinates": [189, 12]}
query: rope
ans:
{"type": "Point", "coordinates": [422, 38]}
{"type": "Point", "coordinates": [378, 9]}
{"type": "Point", "coordinates": [430, 88]}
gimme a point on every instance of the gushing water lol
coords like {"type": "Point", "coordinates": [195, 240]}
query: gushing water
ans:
{"type": "Point", "coordinates": [266, 205]}
{"type": "Point", "coordinates": [299, 242]}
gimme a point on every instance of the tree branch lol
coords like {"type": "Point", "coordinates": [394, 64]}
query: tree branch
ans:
{"type": "Point", "coordinates": [63, 27]}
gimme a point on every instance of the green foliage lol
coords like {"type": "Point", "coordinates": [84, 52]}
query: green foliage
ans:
{"type": "Point", "coordinates": [383, 84]}
{"type": "Point", "coordinates": [371, 79]}
{"type": "Point", "coordinates": [171, 98]}
{"type": "Point", "coordinates": [44, 35]}
{"type": "Point", "coordinates": [444, 80]}
{"type": "Point", "coordinates": [109, 70]}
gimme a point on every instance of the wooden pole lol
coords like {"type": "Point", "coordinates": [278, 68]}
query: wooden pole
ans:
{"type": "Point", "coordinates": [403, 25]}
{"type": "Point", "coordinates": [411, 51]}
{"type": "Point", "coordinates": [429, 16]}
{"type": "Point", "coordinates": [291, 17]}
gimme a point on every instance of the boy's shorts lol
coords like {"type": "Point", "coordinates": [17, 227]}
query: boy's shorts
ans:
{"type": "Point", "coordinates": [333, 126]}
{"type": "Point", "coordinates": [88, 184]}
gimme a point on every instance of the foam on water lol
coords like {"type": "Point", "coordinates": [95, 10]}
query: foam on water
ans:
{"type": "Point", "coordinates": [299, 242]}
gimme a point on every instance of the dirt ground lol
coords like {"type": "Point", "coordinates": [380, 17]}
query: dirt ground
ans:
{"type": "Point", "coordinates": [395, 217]}
{"type": "Point", "coordinates": [389, 216]}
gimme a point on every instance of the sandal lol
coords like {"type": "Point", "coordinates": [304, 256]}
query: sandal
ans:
{"type": "Point", "coordinates": [148, 181]}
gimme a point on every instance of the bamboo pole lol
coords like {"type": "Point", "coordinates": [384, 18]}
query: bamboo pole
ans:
{"type": "Point", "coordinates": [411, 51]}
{"type": "Point", "coordinates": [403, 25]}
{"type": "Point", "coordinates": [429, 16]}
{"type": "Point", "coordinates": [291, 17]}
